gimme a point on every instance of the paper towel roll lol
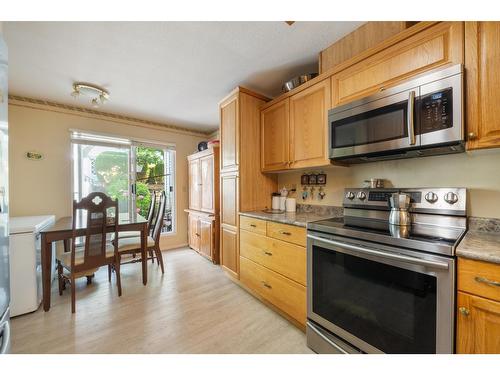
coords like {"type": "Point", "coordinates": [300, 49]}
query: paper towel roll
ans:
{"type": "Point", "coordinates": [291, 205]}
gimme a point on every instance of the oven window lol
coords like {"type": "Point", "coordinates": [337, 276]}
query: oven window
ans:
{"type": "Point", "coordinates": [379, 125]}
{"type": "Point", "coordinates": [390, 308]}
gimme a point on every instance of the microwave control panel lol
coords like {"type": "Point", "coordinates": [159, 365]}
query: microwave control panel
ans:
{"type": "Point", "coordinates": [436, 111]}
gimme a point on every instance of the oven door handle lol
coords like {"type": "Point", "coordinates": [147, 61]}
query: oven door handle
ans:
{"type": "Point", "coordinates": [382, 254]}
{"type": "Point", "coordinates": [411, 118]}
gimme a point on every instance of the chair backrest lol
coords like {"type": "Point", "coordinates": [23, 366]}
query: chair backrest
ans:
{"type": "Point", "coordinates": [159, 218]}
{"type": "Point", "coordinates": [151, 209]}
{"type": "Point", "coordinates": [95, 219]}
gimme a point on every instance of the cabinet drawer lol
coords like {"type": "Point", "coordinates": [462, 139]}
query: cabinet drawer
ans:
{"type": "Point", "coordinates": [253, 225]}
{"type": "Point", "coordinates": [288, 233]}
{"type": "Point", "coordinates": [479, 278]}
{"type": "Point", "coordinates": [287, 295]}
{"type": "Point", "coordinates": [283, 257]}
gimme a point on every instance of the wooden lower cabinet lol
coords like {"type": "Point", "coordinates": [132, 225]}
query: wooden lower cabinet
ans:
{"type": "Point", "coordinates": [287, 295]}
{"type": "Point", "coordinates": [229, 250]}
{"type": "Point", "coordinates": [273, 268]}
{"type": "Point", "coordinates": [478, 325]}
{"type": "Point", "coordinates": [203, 235]}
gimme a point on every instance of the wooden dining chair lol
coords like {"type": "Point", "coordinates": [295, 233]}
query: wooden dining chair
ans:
{"type": "Point", "coordinates": [95, 251]}
{"type": "Point", "coordinates": [132, 245]}
{"type": "Point", "coordinates": [149, 217]}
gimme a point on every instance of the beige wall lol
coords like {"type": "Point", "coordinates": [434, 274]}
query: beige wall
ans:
{"type": "Point", "coordinates": [44, 187]}
{"type": "Point", "coordinates": [479, 171]}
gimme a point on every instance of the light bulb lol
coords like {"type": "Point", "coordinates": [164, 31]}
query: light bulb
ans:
{"type": "Point", "coordinates": [95, 103]}
{"type": "Point", "coordinates": [102, 98]}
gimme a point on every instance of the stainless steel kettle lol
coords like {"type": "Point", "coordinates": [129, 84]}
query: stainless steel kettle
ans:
{"type": "Point", "coordinates": [400, 203]}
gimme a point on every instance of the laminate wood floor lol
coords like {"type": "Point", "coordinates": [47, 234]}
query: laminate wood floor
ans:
{"type": "Point", "coordinates": [193, 308]}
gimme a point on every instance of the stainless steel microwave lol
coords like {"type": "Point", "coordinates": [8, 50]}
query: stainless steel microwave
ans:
{"type": "Point", "coordinates": [421, 117]}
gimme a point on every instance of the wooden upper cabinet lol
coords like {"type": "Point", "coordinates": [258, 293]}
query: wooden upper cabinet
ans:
{"type": "Point", "coordinates": [194, 184]}
{"type": "Point", "coordinates": [308, 126]}
{"type": "Point", "coordinates": [435, 46]}
{"type": "Point", "coordinates": [482, 63]}
{"type": "Point", "coordinates": [274, 136]}
{"type": "Point", "coordinates": [207, 186]}
{"type": "Point", "coordinates": [229, 136]}
{"type": "Point", "coordinates": [478, 326]}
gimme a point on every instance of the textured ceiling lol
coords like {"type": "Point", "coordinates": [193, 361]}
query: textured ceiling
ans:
{"type": "Point", "coordinates": [170, 72]}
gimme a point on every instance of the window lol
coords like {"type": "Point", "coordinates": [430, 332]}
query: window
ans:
{"type": "Point", "coordinates": [125, 169]}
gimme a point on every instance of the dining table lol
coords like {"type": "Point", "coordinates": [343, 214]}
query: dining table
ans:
{"type": "Point", "coordinates": [62, 230]}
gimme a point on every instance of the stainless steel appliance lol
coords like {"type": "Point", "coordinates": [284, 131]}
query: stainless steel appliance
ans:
{"type": "Point", "coordinates": [374, 287]}
{"type": "Point", "coordinates": [421, 117]}
{"type": "Point", "coordinates": [4, 206]}
{"type": "Point", "coordinates": [400, 214]}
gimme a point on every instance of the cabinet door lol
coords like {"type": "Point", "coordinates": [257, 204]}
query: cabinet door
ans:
{"type": "Point", "coordinates": [207, 183]}
{"type": "Point", "coordinates": [436, 46]}
{"type": "Point", "coordinates": [308, 126]}
{"type": "Point", "coordinates": [193, 232]}
{"type": "Point", "coordinates": [478, 325]}
{"type": "Point", "coordinates": [229, 250]}
{"type": "Point", "coordinates": [229, 199]}
{"type": "Point", "coordinates": [275, 136]}
{"type": "Point", "coordinates": [194, 184]}
{"type": "Point", "coordinates": [229, 135]}
{"type": "Point", "coordinates": [206, 237]}
{"type": "Point", "coordinates": [482, 63]}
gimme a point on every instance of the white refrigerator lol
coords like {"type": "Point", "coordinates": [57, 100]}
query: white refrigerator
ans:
{"type": "Point", "coordinates": [4, 205]}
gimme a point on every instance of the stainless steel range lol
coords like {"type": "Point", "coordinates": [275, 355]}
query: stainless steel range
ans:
{"type": "Point", "coordinates": [376, 287]}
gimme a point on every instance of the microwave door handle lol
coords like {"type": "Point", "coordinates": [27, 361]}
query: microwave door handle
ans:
{"type": "Point", "coordinates": [411, 118]}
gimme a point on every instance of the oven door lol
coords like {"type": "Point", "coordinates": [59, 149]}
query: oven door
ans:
{"type": "Point", "coordinates": [380, 299]}
{"type": "Point", "coordinates": [381, 125]}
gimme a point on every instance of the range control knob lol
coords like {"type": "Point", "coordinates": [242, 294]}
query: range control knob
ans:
{"type": "Point", "coordinates": [350, 195]}
{"type": "Point", "coordinates": [361, 195]}
{"type": "Point", "coordinates": [431, 197]}
{"type": "Point", "coordinates": [451, 198]}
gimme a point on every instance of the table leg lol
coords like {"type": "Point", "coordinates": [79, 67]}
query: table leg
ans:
{"type": "Point", "coordinates": [144, 253]}
{"type": "Point", "coordinates": [46, 271]}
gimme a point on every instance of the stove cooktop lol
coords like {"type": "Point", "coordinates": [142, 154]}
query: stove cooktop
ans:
{"type": "Point", "coordinates": [429, 238]}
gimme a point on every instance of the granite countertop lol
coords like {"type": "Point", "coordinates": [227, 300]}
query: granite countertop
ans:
{"type": "Point", "coordinates": [482, 241]}
{"type": "Point", "coordinates": [299, 219]}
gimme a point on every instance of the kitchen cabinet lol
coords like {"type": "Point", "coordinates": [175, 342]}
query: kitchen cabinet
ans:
{"type": "Point", "coordinates": [478, 307]}
{"type": "Point", "coordinates": [295, 132]}
{"type": "Point", "coordinates": [202, 235]}
{"type": "Point", "coordinates": [194, 184]}
{"type": "Point", "coordinates": [275, 137]}
{"type": "Point", "coordinates": [435, 46]}
{"type": "Point", "coordinates": [242, 185]}
{"type": "Point", "coordinates": [203, 212]}
{"type": "Point", "coordinates": [273, 265]}
{"type": "Point", "coordinates": [482, 63]}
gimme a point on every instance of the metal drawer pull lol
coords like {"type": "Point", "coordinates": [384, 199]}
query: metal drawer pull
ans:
{"type": "Point", "coordinates": [253, 225]}
{"type": "Point", "coordinates": [285, 233]}
{"type": "Point", "coordinates": [464, 311]}
{"type": "Point", "coordinates": [381, 254]}
{"type": "Point", "coordinates": [267, 253]}
{"type": "Point", "coordinates": [480, 279]}
{"type": "Point", "coordinates": [266, 285]}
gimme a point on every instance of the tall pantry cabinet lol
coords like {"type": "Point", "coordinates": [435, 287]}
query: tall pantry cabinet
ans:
{"type": "Point", "coordinates": [203, 219]}
{"type": "Point", "coordinates": [242, 186]}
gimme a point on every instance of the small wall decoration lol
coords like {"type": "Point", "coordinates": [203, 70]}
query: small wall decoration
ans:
{"type": "Point", "coordinates": [321, 179]}
{"type": "Point", "coordinates": [304, 179]}
{"type": "Point", "coordinates": [313, 179]}
{"type": "Point", "coordinates": [33, 155]}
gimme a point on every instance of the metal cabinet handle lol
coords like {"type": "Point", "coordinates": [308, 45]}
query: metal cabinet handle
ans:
{"type": "Point", "coordinates": [464, 311]}
{"type": "Point", "coordinates": [410, 113]}
{"type": "Point", "coordinates": [267, 253]}
{"type": "Point", "coordinates": [253, 225]}
{"type": "Point", "coordinates": [266, 285]}
{"type": "Point", "coordinates": [285, 233]}
{"type": "Point", "coordinates": [484, 280]}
